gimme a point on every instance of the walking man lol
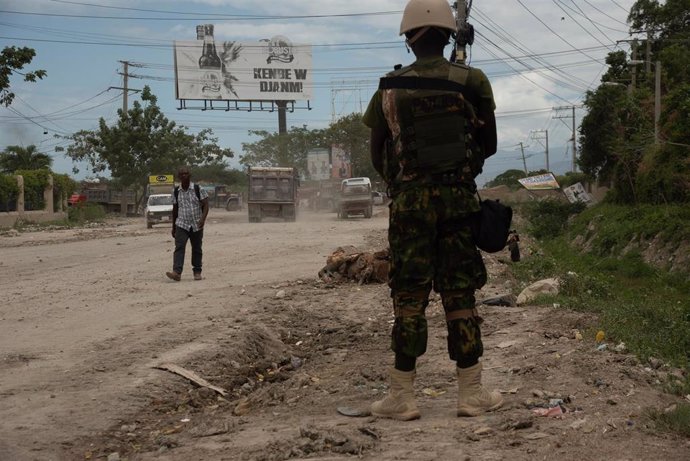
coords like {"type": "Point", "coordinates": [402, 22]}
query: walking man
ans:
{"type": "Point", "coordinates": [432, 126]}
{"type": "Point", "coordinates": [190, 209]}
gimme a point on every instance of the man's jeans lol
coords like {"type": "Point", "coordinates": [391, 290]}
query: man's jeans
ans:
{"type": "Point", "coordinates": [195, 238]}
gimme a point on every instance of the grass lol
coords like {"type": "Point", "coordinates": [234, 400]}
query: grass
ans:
{"type": "Point", "coordinates": [645, 307]}
{"type": "Point", "coordinates": [676, 420]}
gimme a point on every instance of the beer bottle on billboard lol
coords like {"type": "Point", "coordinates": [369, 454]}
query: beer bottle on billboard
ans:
{"type": "Point", "coordinates": [210, 64]}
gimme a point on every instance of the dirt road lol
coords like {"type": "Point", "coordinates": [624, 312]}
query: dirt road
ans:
{"type": "Point", "coordinates": [88, 314]}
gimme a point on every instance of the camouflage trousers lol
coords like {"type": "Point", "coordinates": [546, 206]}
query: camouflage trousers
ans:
{"type": "Point", "coordinates": [432, 247]}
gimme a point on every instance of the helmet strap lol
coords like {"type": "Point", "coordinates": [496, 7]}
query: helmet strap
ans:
{"type": "Point", "coordinates": [416, 36]}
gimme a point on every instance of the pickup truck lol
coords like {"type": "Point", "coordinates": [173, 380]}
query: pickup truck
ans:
{"type": "Point", "coordinates": [158, 209]}
{"type": "Point", "coordinates": [355, 198]}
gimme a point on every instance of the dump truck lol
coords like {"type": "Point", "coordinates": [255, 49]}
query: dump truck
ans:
{"type": "Point", "coordinates": [355, 198]}
{"type": "Point", "coordinates": [272, 193]}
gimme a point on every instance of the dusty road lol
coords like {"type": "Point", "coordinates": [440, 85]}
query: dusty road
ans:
{"type": "Point", "coordinates": [87, 314]}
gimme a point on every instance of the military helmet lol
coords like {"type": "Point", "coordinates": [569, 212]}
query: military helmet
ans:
{"type": "Point", "coordinates": [427, 13]}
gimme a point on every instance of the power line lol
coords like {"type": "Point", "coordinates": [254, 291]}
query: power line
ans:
{"type": "Point", "coordinates": [205, 17]}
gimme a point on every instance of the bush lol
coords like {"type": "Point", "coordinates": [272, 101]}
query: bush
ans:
{"type": "Point", "coordinates": [9, 190]}
{"type": "Point", "coordinates": [548, 218]}
{"type": "Point", "coordinates": [86, 212]}
{"type": "Point", "coordinates": [63, 187]}
{"type": "Point", "coordinates": [35, 183]}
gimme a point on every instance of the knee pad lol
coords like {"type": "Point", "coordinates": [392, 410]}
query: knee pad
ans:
{"type": "Point", "coordinates": [410, 332]}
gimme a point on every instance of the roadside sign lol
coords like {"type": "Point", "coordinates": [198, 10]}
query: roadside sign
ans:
{"type": "Point", "coordinates": [162, 179]}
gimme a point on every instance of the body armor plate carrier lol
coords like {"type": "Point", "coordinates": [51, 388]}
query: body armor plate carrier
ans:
{"type": "Point", "coordinates": [436, 121]}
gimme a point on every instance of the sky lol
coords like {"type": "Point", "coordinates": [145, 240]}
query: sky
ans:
{"type": "Point", "coordinates": [540, 55]}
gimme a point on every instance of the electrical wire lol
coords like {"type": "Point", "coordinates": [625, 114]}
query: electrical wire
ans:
{"type": "Point", "coordinates": [205, 17]}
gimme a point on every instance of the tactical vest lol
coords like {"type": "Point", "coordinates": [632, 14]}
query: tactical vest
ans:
{"type": "Point", "coordinates": [432, 122]}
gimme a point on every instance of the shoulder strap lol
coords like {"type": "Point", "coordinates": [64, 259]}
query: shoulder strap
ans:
{"type": "Point", "coordinates": [426, 83]}
{"type": "Point", "coordinates": [176, 192]}
{"type": "Point", "coordinates": [400, 71]}
{"type": "Point", "coordinates": [197, 191]}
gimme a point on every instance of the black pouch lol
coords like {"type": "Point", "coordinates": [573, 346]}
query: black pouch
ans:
{"type": "Point", "coordinates": [491, 225]}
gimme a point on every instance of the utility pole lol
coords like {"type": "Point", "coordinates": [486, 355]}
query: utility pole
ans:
{"type": "Point", "coordinates": [524, 162]}
{"type": "Point", "coordinates": [657, 100]}
{"type": "Point", "coordinates": [648, 57]}
{"type": "Point", "coordinates": [464, 32]}
{"type": "Point", "coordinates": [125, 80]}
{"type": "Point", "coordinates": [633, 81]}
{"type": "Point", "coordinates": [546, 137]}
{"type": "Point", "coordinates": [561, 117]}
{"type": "Point", "coordinates": [125, 92]}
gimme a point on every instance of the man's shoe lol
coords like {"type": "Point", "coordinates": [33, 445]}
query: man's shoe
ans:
{"type": "Point", "coordinates": [174, 275]}
{"type": "Point", "coordinates": [197, 275]}
{"type": "Point", "coordinates": [399, 403]}
{"type": "Point", "coordinates": [473, 399]}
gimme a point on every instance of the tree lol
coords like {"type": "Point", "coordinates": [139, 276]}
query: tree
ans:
{"type": "Point", "coordinates": [507, 178]}
{"type": "Point", "coordinates": [142, 143]}
{"type": "Point", "coordinates": [23, 158]}
{"type": "Point", "coordinates": [288, 150]}
{"type": "Point", "coordinates": [292, 148]}
{"type": "Point", "coordinates": [352, 135]}
{"type": "Point", "coordinates": [617, 139]}
{"type": "Point", "coordinates": [12, 59]}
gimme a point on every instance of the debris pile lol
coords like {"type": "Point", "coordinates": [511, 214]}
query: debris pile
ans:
{"type": "Point", "coordinates": [347, 263]}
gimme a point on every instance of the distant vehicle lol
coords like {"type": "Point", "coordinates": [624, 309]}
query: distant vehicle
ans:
{"type": "Point", "coordinates": [76, 199]}
{"type": "Point", "coordinates": [326, 198]}
{"type": "Point", "coordinates": [158, 209]}
{"type": "Point", "coordinates": [355, 198]}
{"type": "Point", "coordinates": [272, 193]}
{"type": "Point", "coordinates": [380, 198]}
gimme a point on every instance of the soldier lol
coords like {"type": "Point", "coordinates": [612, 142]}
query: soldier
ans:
{"type": "Point", "coordinates": [432, 126]}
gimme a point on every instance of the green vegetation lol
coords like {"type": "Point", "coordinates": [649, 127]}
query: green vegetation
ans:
{"type": "Point", "coordinates": [620, 143]}
{"type": "Point", "coordinates": [8, 191]}
{"type": "Point", "coordinates": [13, 59]}
{"type": "Point", "coordinates": [548, 218]}
{"type": "Point", "coordinates": [35, 184]}
{"type": "Point", "coordinates": [15, 158]}
{"type": "Point", "coordinates": [676, 420]}
{"type": "Point", "coordinates": [63, 187]}
{"type": "Point", "coordinates": [143, 142]}
{"type": "Point", "coordinates": [645, 307]}
{"type": "Point", "coordinates": [85, 212]}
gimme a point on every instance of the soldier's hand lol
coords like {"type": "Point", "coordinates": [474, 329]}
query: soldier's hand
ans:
{"type": "Point", "coordinates": [173, 231]}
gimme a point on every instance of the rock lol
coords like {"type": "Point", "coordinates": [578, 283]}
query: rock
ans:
{"type": "Point", "coordinates": [280, 294]}
{"type": "Point", "coordinates": [654, 363]}
{"type": "Point", "coordinates": [115, 456]}
{"type": "Point", "coordinates": [484, 430]}
{"type": "Point", "coordinates": [546, 286]}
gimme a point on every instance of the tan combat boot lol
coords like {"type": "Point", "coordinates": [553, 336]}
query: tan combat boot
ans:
{"type": "Point", "coordinates": [473, 399]}
{"type": "Point", "coordinates": [399, 404]}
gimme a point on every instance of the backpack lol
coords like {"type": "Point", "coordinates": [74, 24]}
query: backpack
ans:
{"type": "Point", "coordinates": [197, 191]}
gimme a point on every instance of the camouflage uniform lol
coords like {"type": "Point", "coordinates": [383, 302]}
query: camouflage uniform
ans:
{"type": "Point", "coordinates": [430, 239]}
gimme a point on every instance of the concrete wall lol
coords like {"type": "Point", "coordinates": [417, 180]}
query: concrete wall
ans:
{"type": "Point", "coordinates": [10, 218]}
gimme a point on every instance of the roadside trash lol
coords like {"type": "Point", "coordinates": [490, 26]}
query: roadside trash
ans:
{"type": "Point", "coordinates": [620, 347]}
{"type": "Point", "coordinates": [554, 411]}
{"type": "Point", "coordinates": [600, 336]}
{"type": "Point", "coordinates": [578, 336]}
{"type": "Point", "coordinates": [556, 402]}
{"type": "Point", "coordinates": [296, 362]}
{"type": "Point", "coordinates": [503, 300]}
{"type": "Point", "coordinates": [432, 392]}
{"type": "Point", "coordinates": [602, 347]}
{"type": "Point", "coordinates": [506, 344]}
{"type": "Point", "coordinates": [353, 412]}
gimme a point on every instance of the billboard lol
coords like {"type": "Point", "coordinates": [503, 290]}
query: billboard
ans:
{"type": "Point", "coordinates": [540, 182]}
{"type": "Point", "coordinates": [319, 164]}
{"type": "Point", "coordinates": [577, 193]}
{"type": "Point", "coordinates": [270, 70]}
{"type": "Point", "coordinates": [341, 165]}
